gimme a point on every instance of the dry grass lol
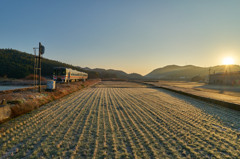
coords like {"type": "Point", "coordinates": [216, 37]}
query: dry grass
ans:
{"type": "Point", "coordinates": [27, 100]}
{"type": "Point", "coordinates": [31, 77]}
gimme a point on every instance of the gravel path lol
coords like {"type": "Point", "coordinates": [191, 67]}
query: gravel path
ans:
{"type": "Point", "coordinates": [123, 120]}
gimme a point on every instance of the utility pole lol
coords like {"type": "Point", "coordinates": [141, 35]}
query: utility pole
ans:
{"type": "Point", "coordinates": [37, 65]}
{"type": "Point", "coordinates": [39, 62]}
{"type": "Point", "coordinates": [209, 75]}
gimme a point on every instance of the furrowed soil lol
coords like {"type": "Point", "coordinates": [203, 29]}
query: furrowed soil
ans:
{"type": "Point", "coordinates": [123, 120]}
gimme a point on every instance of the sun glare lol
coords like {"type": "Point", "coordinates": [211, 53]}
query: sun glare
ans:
{"type": "Point", "coordinates": [228, 61]}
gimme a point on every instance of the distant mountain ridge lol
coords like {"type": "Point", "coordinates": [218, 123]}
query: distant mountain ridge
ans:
{"type": "Point", "coordinates": [111, 73]}
{"type": "Point", "coordinates": [175, 72]}
{"type": "Point", "coordinates": [17, 64]}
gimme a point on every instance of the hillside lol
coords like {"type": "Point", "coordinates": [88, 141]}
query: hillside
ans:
{"type": "Point", "coordinates": [174, 72]}
{"type": "Point", "coordinates": [17, 64]}
{"type": "Point", "coordinates": [110, 73]}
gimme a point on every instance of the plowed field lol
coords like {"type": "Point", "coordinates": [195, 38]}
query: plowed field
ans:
{"type": "Point", "coordinates": [123, 120]}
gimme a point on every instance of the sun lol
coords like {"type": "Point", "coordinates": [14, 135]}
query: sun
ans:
{"type": "Point", "coordinates": [228, 61]}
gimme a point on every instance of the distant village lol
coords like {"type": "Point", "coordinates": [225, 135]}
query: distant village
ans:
{"type": "Point", "coordinates": [225, 78]}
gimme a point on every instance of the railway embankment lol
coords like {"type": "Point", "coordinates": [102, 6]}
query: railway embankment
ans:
{"type": "Point", "coordinates": [21, 101]}
{"type": "Point", "coordinates": [221, 96]}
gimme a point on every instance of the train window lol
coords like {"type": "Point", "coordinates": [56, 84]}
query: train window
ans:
{"type": "Point", "coordinates": [64, 72]}
{"type": "Point", "coordinates": [56, 72]}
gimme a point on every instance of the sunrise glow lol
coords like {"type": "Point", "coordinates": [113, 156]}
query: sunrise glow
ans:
{"type": "Point", "coordinates": [228, 61]}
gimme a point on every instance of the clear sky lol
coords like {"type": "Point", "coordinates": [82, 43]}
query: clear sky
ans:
{"type": "Point", "coordinates": [130, 35]}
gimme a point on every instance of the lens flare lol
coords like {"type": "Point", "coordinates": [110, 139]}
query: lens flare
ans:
{"type": "Point", "coordinates": [228, 61]}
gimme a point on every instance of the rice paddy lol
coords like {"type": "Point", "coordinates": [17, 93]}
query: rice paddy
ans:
{"type": "Point", "coordinates": [123, 120]}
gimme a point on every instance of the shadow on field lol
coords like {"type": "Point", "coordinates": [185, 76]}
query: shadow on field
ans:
{"type": "Point", "coordinates": [230, 118]}
{"type": "Point", "coordinates": [221, 88]}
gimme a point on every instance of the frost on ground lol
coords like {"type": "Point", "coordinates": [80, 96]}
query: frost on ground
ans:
{"type": "Point", "coordinates": [123, 122]}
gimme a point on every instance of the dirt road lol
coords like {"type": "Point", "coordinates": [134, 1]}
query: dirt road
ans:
{"type": "Point", "coordinates": [123, 120]}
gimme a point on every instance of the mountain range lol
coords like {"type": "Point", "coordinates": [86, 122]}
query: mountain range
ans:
{"type": "Point", "coordinates": [175, 72]}
{"type": "Point", "coordinates": [169, 72]}
{"type": "Point", "coordinates": [17, 64]}
{"type": "Point", "coordinates": [111, 73]}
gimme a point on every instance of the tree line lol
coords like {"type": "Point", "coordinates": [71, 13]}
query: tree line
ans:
{"type": "Point", "coordinates": [17, 64]}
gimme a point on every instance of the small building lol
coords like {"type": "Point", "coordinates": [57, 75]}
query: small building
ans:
{"type": "Point", "coordinates": [226, 78]}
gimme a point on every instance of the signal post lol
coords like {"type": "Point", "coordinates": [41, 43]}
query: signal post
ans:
{"type": "Point", "coordinates": [37, 65]}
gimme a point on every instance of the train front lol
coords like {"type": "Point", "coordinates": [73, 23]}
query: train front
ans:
{"type": "Point", "coordinates": [59, 74]}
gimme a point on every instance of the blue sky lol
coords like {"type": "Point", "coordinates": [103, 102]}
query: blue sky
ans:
{"type": "Point", "coordinates": [133, 36]}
